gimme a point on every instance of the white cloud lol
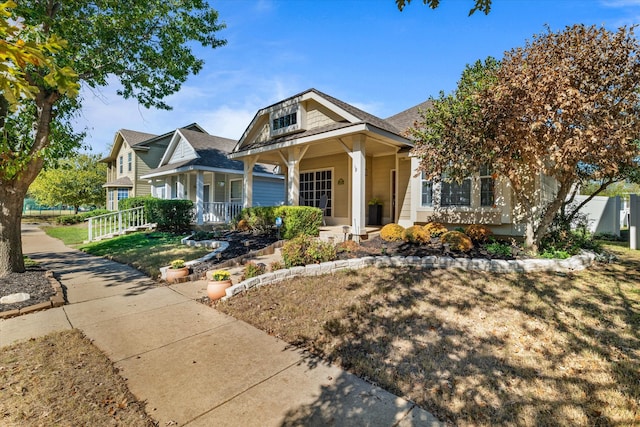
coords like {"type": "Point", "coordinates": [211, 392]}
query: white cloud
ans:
{"type": "Point", "coordinates": [621, 3]}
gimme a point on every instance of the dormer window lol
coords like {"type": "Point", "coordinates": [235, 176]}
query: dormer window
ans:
{"type": "Point", "coordinates": [287, 120]}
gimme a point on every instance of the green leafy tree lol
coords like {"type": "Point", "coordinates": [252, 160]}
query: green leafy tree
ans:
{"type": "Point", "coordinates": [75, 182]}
{"type": "Point", "coordinates": [565, 106]}
{"type": "Point", "coordinates": [147, 45]}
{"type": "Point", "coordinates": [479, 5]}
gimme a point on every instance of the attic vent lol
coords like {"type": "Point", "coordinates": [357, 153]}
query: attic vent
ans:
{"type": "Point", "coordinates": [287, 120]}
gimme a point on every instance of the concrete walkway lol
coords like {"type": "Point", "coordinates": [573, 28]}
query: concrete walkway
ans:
{"type": "Point", "coordinates": [191, 364]}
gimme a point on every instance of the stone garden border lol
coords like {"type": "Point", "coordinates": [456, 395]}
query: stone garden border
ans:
{"type": "Point", "coordinates": [575, 263]}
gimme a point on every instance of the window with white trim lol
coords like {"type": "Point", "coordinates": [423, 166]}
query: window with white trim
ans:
{"type": "Point", "coordinates": [121, 164]}
{"type": "Point", "coordinates": [315, 184]}
{"type": "Point", "coordinates": [455, 194]}
{"type": "Point", "coordinates": [123, 193]}
{"type": "Point", "coordinates": [487, 197]}
{"type": "Point", "coordinates": [426, 191]}
{"type": "Point", "coordinates": [284, 121]}
{"type": "Point", "coordinates": [129, 161]}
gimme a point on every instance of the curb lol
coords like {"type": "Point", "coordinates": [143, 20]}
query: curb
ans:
{"type": "Point", "coordinates": [56, 300]}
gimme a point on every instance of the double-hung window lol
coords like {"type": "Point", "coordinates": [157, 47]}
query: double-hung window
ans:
{"type": "Point", "coordinates": [486, 186]}
{"type": "Point", "coordinates": [129, 161]}
{"type": "Point", "coordinates": [455, 194]}
{"type": "Point", "coordinates": [121, 164]}
{"type": "Point", "coordinates": [426, 191]}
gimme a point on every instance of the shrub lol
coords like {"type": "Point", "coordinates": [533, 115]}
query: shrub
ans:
{"type": "Point", "coordinates": [81, 217]}
{"type": "Point", "coordinates": [553, 254]}
{"type": "Point", "coordinates": [259, 218]}
{"type": "Point", "coordinates": [174, 216]}
{"type": "Point", "coordinates": [391, 232]}
{"type": "Point", "coordinates": [251, 269]}
{"type": "Point", "coordinates": [457, 241]}
{"type": "Point", "coordinates": [347, 246]}
{"type": "Point", "coordinates": [415, 234]}
{"type": "Point", "coordinates": [303, 250]}
{"type": "Point", "coordinates": [435, 229]}
{"type": "Point", "coordinates": [498, 248]}
{"type": "Point", "coordinates": [299, 220]}
{"type": "Point", "coordinates": [571, 242]}
{"type": "Point", "coordinates": [478, 233]}
{"type": "Point", "coordinates": [276, 265]}
{"type": "Point", "coordinates": [243, 225]}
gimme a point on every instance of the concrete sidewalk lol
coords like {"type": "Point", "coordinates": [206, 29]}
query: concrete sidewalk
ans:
{"type": "Point", "coordinates": [191, 364]}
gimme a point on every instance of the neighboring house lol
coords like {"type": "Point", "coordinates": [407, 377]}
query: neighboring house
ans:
{"type": "Point", "coordinates": [186, 163]}
{"type": "Point", "coordinates": [330, 148]}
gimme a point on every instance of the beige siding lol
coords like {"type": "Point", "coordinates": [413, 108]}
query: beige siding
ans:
{"type": "Point", "coordinates": [380, 185]}
{"type": "Point", "coordinates": [183, 151]}
{"type": "Point", "coordinates": [339, 163]}
{"type": "Point", "coordinates": [318, 115]}
{"type": "Point", "coordinates": [403, 176]}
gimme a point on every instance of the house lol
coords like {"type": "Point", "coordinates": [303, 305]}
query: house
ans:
{"type": "Point", "coordinates": [187, 163]}
{"type": "Point", "coordinates": [331, 149]}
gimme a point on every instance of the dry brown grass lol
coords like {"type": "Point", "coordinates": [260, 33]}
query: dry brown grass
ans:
{"type": "Point", "coordinates": [474, 348]}
{"type": "Point", "coordinates": [63, 380]}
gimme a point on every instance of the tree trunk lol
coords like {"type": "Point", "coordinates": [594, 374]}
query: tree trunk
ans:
{"type": "Point", "coordinates": [14, 189]}
{"type": "Point", "coordinates": [11, 259]}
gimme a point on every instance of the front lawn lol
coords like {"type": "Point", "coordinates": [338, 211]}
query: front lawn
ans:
{"type": "Point", "coordinates": [474, 348]}
{"type": "Point", "coordinates": [145, 251]}
{"type": "Point", "coordinates": [71, 235]}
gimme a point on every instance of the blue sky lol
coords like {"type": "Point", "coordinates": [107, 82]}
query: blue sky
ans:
{"type": "Point", "coordinates": [364, 52]}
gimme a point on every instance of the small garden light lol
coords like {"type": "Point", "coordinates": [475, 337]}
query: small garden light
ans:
{"type": "Point", "coordinates": [345, 231]}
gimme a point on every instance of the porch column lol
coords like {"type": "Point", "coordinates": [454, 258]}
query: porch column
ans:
{"type": "Point", "coordinates": [358, 185]}
{"type": "Point", "coordinates": [294, 156]}
{"type": "Point", "coordinates": [199, 197]}
{"type": "Point", "coordinates": [247, 181]}
{"type": "Point", "coordinates": [167, 188]}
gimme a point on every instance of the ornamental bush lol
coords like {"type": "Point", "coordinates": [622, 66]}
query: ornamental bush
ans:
{"type": "Point", "coordinates": [81, 217]}
{"type": "Point", "coordinates": [457, 241]}
{"type": "Point", "coordinates": [416, 234]}
{"type": "Point", "coordinates": [259, 218]}
{"type": "Point", "coordinates": [435, 229]}
{"type": "Point", "coordinates": [391, 232]}
{"type": "Point", "coordinates": [174, 216]}
{"type": "Point", "coordinates": [303, 250]}
{"type": "Point", "coordinates": [478, 233]}
{"type": "Point", "coordinates": [298, 220]}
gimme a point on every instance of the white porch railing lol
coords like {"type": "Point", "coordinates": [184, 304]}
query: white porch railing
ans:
{"type": "Point", "coordinates": [115, 223]}
{"type": "Point", "coordinates": [222, 212]}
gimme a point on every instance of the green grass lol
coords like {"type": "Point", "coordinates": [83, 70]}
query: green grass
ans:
{"type": "Point", "coordinates": [72, 235]}
{"type": "Point", "coordinates": [145, 251]}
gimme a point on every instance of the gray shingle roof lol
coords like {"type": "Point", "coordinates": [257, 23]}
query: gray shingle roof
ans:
{"type": "Point", "coordinates": [212, 151]}
{"type": "Point", "coordinates": [407, 118]}
{"type": "Point", "coordinates": [134, 137]}
{"type": "Point", "coordinates": [124, 181]}
{"type": "Point", "coordinates": [363, 117]}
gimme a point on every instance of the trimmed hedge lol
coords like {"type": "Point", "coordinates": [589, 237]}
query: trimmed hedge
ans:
{"type": "Point", "coordinates": [81, 217]}
{"type": "Point", "coordinates": [174, 216]}
{"type": "Point", "coordinates": [299, 220]}
{"type": "Point", "coordinates": [415, 234]}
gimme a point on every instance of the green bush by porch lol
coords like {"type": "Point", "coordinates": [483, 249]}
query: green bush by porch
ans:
{"type": "Point", "coordinates": [170, 215]}
{"type": "Point", "coordinates": [296, 220]}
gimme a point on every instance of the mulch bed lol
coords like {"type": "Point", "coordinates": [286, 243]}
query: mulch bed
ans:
{"type": "Point", "coordinates": [377, 247]}
{"type": "Point", "coordinates": [32, 282]}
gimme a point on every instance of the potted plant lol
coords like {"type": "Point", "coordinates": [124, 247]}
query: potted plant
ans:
{"type": "Point", "coordinates": [375, 211]}
{"type": "Point", "coordinates": [177, 269]}
{"type": "Point", "coordinates": [219, 281]}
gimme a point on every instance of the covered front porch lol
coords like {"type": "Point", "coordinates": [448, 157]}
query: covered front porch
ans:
{"type": "Point", "coordinates": [347, 167]}
{"type": "Point", "coordinates": [217, 196]}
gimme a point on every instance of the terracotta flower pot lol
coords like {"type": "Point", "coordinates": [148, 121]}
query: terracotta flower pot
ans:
{"type": "Point", "coordinates": [216, 289]}
{"type": "Point", "coordinates": [174, 274]}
